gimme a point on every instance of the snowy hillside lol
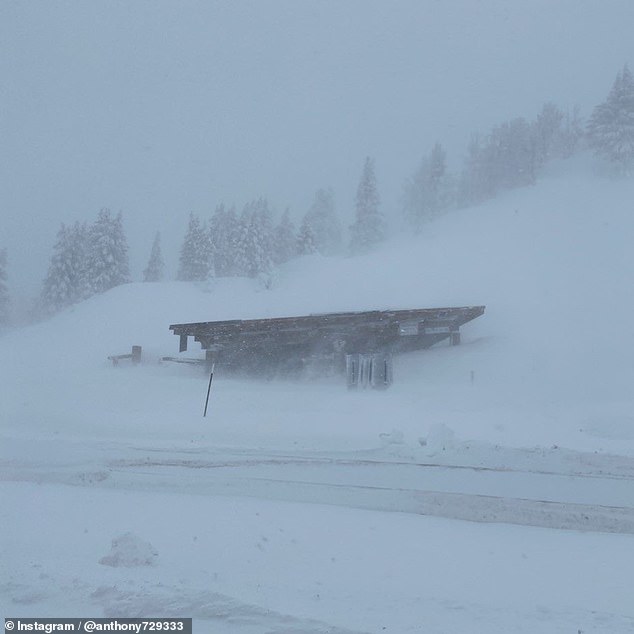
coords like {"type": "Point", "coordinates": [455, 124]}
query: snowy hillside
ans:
{"type": "Point", "coordinates": [551, 357]}
{"type": "Point", "coordinates": [535, 408]}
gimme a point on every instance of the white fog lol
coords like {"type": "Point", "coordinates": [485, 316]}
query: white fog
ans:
{"type": "Point", "coordinates": [441, 191]}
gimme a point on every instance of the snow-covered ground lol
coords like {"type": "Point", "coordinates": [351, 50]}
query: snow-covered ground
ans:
{"type": "Point", "coordinates": [297, 506]}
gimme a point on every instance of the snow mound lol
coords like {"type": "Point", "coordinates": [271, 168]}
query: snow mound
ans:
{"type": "Point", "coordinates": [440, 438]}
{"type": "Point", "coordinates": [129, 551]}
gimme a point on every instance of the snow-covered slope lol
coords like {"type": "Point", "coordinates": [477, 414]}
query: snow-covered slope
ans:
{"type": "Point", "coordinates": [530, 422]}
{"type": "Point", "coordinates": [551, 358]}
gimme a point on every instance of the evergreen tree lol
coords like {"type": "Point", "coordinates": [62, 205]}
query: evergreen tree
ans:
{"type": "Point", "coordinates": [107, 261]}
{"type": "Point", "coordinates": [4, 291]}
{"type": "Point", "coordinates": [571, 134]}
{"type": "Point", "coordinates": [220, 240]}
{"type": "Point", "coordinates": [254, 243]}
{"type": "Point", "coordinates": [476, 184]}
{"type": "Point", "coordinates": [224, 234]}
{"type": "Point", "coordinates": [155, 266]}
{"type": "Point", "coordinates": [241, 243]}
{"type": "Point", "coordinates": [232, 230]}
{"type": "Point", "coordinates": [506, 160]}
{"type": "Point", "coordinates": [244, 243]}
{"type": "Point", "coordinates": [263, 238]}
{"type": "Point", "coordinates": [324, 223]}
{"type": "Point", "coordinates": [67, 281]}
{"type": "Point", "coordinates": [196, 256]}
{"type": "Point", "coordinates": [511, 154]}
{"type": "Point", "coordinates": [547, 131]}
{"type": "Point", "coordinates": [611, 126]}
{"type": "Point", "coordinates": [556, 134]}
{"type": "Point", "coordinates": [306, 243]}
{"type": "Point", "coordinates": [284, 240]}
{"type": "Point", "coordinates": [429, 192]}
{"type": "Point", "coordinates": [369, 228]}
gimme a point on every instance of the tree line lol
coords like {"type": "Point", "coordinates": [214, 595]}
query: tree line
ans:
{"type": "Point", "coordinates": [91, 259]}
{"type": "Point", "coordinates": [252, 244]}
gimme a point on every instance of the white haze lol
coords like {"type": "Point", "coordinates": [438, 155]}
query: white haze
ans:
{"type": "Point", "coordinates": [299, 506]}
{"type": "Point", "coordinates": [162, 108]}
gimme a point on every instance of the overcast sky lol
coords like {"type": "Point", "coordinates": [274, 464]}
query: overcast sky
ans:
{"type": "Point", "coordinates": [158, 108]}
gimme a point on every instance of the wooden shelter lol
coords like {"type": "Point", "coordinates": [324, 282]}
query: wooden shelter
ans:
{"type": "Point", "coordinates": [288, 343]}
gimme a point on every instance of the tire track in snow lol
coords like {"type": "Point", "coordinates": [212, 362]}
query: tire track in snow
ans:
{"type": "Point", "coordinates": [372, 485]}
{"type": "Point", "coordinates": [476, 507]}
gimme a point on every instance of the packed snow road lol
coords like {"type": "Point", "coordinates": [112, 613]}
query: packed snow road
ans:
{"type": "Point", "coordinates": [583, 499]}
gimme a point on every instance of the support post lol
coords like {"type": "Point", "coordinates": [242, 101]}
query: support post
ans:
{"type": "Point", "coordinates": [369, 370]}
{"type": "Point", "coordinates": [209, 360]}
{"type": "Point", "coordinates": [211, 378]}
{"type": "Point", "coordinates": [381, 376]}
{"type": "Point", "coordinates": [183, 343]}
{"type": "Point", "coordinates": [136, 355]}
{"type": "Point", "coordinates": [352, 371]}
{"type": "Point", "coordinates": [455, 338]}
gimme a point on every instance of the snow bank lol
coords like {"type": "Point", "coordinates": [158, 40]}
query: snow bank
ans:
{"type": "Point", "coordinates": [129, 550]}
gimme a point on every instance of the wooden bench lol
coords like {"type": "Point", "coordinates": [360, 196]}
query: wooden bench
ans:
{"type": "Point", "coordinates": [134, 356]}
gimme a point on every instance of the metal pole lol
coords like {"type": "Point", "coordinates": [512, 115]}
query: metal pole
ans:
{"type": "Point", "coordinates": [211, 376]}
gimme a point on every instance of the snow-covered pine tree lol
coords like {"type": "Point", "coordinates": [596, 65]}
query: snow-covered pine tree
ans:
{"type": "Point", "coordinates": [324, 222]}
{"type": "Point", "coordinates": [557, 134]}
{"type": "Point", "coordinates": [232, 231]}
{"type": "Point", "coordinates": [369, 227]}
{"type": "Point", "coordinates": [306, 243]}
{"type": "Point", "coordinates": [264, 241]}
{"type": "Point", "coordinates": [224, 233]}
{"type": "Point", "coordinates": [430, 191]}
{"type": "Point", "coordinates": [506, 159]}
{"type": "Point", "coordinates": [547, 131]}
{"type": "Point", "coordinates": [154, 270]}
{"type": "Point", "coordinates": [196, 257]}
{"type": "Point", "coordinates": [4, 291]}
{"type": "Point", "coordinates": [67, 282]}
{"type": "Point", "coordinates": [241, 245]}
{"type": "Point", "coordinates": [219, 238]}
{"type": "Point", "coordinates": [254, 242]}
{"type": "Point", "coordinates": [265, 229]}
{"type": "Point", "coordinates": [571, 134]}
{"type": "Point", "coordinates": [284, 240]}
{"type": "Point", "coordinates": [611, 126]}
{"type": "Point", "coordinates": [476, 183]}
{"type": "Point", "coordinates": [107, 253]}
{"type": "Point", "coordinates": [511, 154]}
